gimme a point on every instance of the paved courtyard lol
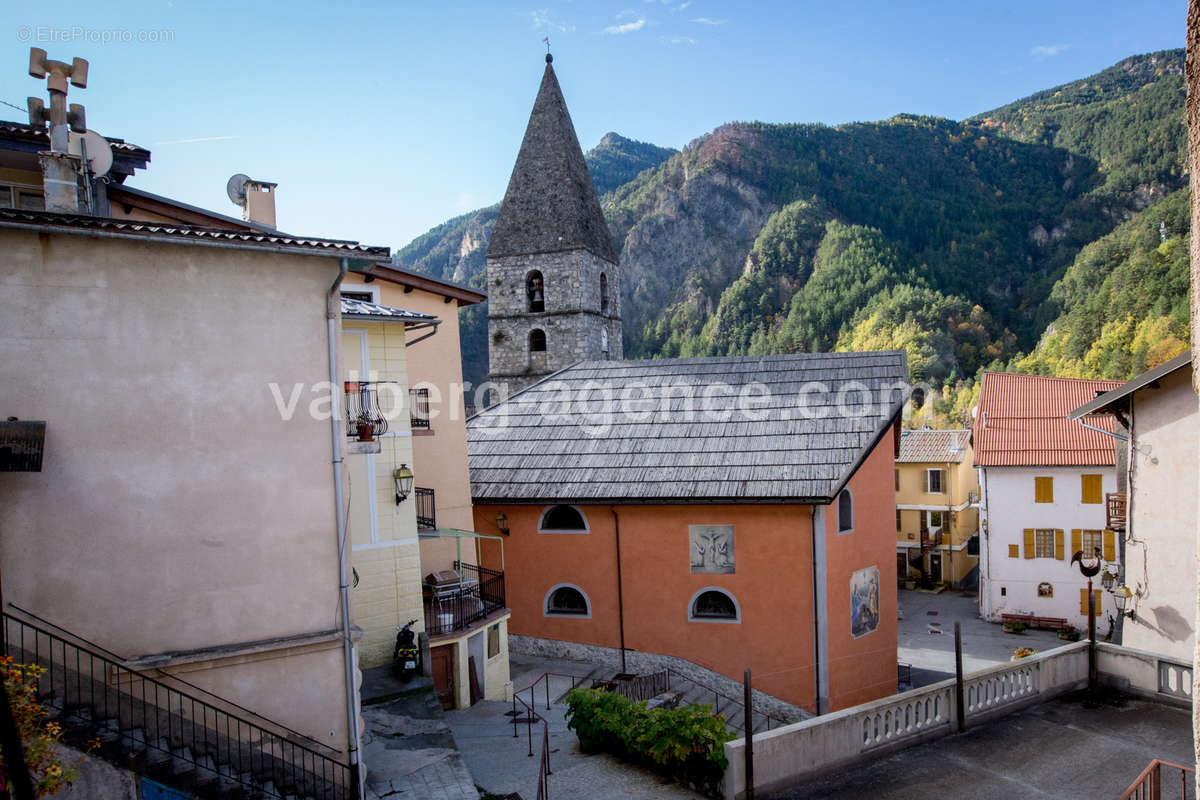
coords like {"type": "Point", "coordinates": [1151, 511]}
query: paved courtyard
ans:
{"type": "Point", "coordinates": [926, 636]}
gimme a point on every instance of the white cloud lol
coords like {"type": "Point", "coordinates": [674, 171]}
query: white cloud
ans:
{"type": "Point", "coordinates": [1048, 50]}
{"type": "Point", "coordinates": [678, 40]}
{"type": "Point", "coordinates": [627, 27]}
{"type": "Point", "coordinates": [542, 21]}
{"type": "Point", "coordinates": [682, 6]}
{"type": "Point", "coordinates": [710, 21]}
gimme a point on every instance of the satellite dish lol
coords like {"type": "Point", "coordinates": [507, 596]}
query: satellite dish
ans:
{"type": "Point", "coordinates": [236, 189]}
{"type": "Point", "coordinates": [99, 151]}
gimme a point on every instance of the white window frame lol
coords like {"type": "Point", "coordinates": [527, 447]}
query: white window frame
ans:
{"type": "Point", "coordinates": [737, 608]}
{"type": "Point", "coordinates": [361, 288]}
{"type": "Point", "coordinates": [587, 527]}
{"type": "Point", "coordinates": [546, 612]}
{"type": "Point", "coordinates": [941, 480]}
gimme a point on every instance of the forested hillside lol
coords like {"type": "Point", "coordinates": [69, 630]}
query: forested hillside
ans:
{"type": "Point", "coordinates": [1048, 235]}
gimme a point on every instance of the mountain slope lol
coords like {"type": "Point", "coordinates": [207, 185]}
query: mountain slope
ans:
{"type": "Point", "coordinates": [959, 241]}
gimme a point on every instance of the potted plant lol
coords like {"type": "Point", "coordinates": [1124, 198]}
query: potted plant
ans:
{"type": "Point", "coordinates": [1022, 652]}
{"type": "Point", "coordinates": [366, 429]}
{"type": "Point", "coordinates": [1014, 627]}
{"type": "Point", "coordinates": [1068, 633]}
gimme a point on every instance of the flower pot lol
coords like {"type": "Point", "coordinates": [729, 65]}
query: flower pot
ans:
{"type": "Point", "coordinates": [366, 432]}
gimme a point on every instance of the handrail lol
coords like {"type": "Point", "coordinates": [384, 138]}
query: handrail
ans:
{"type": "Point", "coordinates": [87, 643]}
{"type": "Point", "coordinates": [1148, 784]}
{"type": "Point", "coordinates": [94, 688]}
{"type": "Point", "coordinates": [531, 715]}
{"type": "Point", "coordinates": [736, 722]}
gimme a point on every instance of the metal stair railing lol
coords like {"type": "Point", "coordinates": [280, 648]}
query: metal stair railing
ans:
{"type": "Point", "coordinates": [159, 727]}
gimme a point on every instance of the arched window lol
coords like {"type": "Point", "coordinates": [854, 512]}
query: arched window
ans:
{"type": "Point", "coordinates": [603, 293]}
{"type": "Point", "coordinates": [567, 600]}
{"type": "Point", "coordinates": [845, 511]}
{"type": "Point", "coordinates": [537, 341]}
{"type": "Point", "coordinates": [714, 605]}
{"type": "Point", "coordinates": [535, 291]}
{"type": "Point", "coordinates": [562, 519]}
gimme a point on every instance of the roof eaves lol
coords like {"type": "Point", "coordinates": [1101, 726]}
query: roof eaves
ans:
{"type": "Point", "coordinates": [1105, 402]}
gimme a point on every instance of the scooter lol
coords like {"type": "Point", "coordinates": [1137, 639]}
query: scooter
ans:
{"type": "Point", "coordinates": [407, 658]}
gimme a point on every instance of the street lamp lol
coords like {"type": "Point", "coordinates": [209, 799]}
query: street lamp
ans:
{"type": "Point", "coordinates": [403, 476]}
{"type": "Point", "coordinates": [1121, 597]}
{"type": "Point", "coordinates": [1089, 567]}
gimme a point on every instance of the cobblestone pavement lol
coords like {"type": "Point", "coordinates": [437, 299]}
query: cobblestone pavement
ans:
{"type": "Point", "coordinates": [411, 754]}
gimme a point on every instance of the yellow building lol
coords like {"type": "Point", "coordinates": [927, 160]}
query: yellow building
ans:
{"type": "Point", "coordinates": [417, 559]}
{"type": "Point", "coordinates": [937, 495]}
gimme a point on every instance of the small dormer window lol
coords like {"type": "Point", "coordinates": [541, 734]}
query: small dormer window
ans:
{"type": "Point", "coordinates": [537, 341]}
{"type": "Point", "coordinates": [536, 292]}
{"type": "Point", "coordinates": [603, 293]}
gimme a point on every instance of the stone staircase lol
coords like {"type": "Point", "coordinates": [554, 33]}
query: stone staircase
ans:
{"type": "Point", "coordinates": [173, 736]}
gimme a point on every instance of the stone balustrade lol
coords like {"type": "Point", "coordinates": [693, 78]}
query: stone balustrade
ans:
{"type": "Point", "coordinates": [790, 754]}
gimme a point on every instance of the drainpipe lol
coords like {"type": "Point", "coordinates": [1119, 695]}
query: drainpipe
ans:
{"type": "Point", "coordinates": [620, 590]}
{"type": "Point", "coordinates": [816, 615]}
{"type": "Point", "coordinates": [333, 310]}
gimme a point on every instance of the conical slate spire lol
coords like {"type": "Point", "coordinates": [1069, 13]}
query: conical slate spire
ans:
{"type": "Point", "coordinates": [551, 203]}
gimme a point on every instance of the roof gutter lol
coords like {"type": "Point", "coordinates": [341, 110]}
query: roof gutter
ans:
{"type": "Point", "coordinates": [330, 252]}
{"type": "Point", "coordinates": [1101, 430]}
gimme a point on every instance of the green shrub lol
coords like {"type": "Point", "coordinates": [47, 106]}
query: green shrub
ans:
{"type": "Point", "coordinates": [685, 744]}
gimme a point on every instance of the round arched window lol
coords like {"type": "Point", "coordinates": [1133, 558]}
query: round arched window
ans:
{"type": "Point", "coordinates": [559, 519]}
{"type": "Point", "coordinates": [537, 341]}
{"type": "Point", "coordinates": [535, 291]}
{"type": "Point", "coordinates": [567, 601]}
{"type": "Point", "coordinates": [714, 604]}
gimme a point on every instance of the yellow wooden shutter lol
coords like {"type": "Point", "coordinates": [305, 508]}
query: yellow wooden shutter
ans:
{"type": "Point", "coordinates": [1091, 489]}
{"type": "Point", "coordinates": [1058, 545]}
{"type": "Point", "coordinates": [1043, 490]}
{"type": "Point", "coordinates": [1110, 545]}
{"type": "Point", "coordinates": [1083, 609]}
{"type": "Point", "coordinates": [1029, 547]}
{"type": "Point", "coordinates": [1014, 551]}
{"type": "Point", "coordinates": [1076, 540]}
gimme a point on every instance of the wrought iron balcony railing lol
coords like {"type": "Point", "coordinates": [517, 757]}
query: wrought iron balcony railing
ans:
{"type": "Point", "coordinates": [453, 607]}
{"type": "Point", "coordinates": [364, 419]}
{"type": "Point", "coordinates": [426, 509]}
{"type": "Point", "coordinates": [418, 400]}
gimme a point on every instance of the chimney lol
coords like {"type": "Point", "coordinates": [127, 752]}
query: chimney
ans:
{"type": "Point", "coordinates": [260, 203]}
{"type": "Point", "coordinates": [61, 169]}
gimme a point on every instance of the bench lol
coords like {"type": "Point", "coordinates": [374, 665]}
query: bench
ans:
{"type": "Point", "coordinates": [1030, 621]}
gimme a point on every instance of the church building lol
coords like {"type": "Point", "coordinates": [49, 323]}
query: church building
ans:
{"type": "Point", "coordinates": [729, 513]}
{"type": "Point", "coordinates": [554, 288]}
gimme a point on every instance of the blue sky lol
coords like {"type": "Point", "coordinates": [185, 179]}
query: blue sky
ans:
{"type": "Point", "coordinates": [380, 120]}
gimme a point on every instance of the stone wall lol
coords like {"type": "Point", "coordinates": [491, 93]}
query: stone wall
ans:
{"type": "Point", "coordinates": [573, 320]}
{"type": "Point", "coordinates": [642, 663]}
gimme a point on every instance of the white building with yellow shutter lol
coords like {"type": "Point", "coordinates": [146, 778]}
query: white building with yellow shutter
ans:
{"type": "Point", "coordinates": [1043, 481]}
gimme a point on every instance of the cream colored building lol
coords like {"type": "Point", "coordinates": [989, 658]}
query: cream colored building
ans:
{"type": "Point", "coordinates": [937, 495]}
{"type": "Point", "coordinates": [185, 514]}
{"type": "Point", "coordinates": [1154, 513]}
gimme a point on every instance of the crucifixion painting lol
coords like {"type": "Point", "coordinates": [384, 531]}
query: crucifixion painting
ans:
{"type": "Point", "coordinates": [711, 548]}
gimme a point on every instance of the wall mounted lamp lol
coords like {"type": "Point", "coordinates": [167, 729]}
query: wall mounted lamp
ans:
{"type": "Point", "coordinates": [1122, 598]}
{"type": "Point", "coordinates": [403, 476]}
{"type": "Point", "coordinates": [502, 522]}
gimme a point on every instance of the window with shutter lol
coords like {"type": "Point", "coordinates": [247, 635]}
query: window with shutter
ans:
{"type": "Point", "coordinates": [1043, 490]}
{"type": "Point", "coordinates": [1083, 602]}
{"type": "Point", "coordinates": [1093, 543]}
{"type": "Point", "coordinates": [1014, 551]}
{"type": "Point", "coordinates": [1091, 489]}
{"type": "Point", "coordinates": [1030, 546]}
{"type": "Point", "coordinates": [1059, 549]}
{"type": "Point", "coordinates": [1110, 545]}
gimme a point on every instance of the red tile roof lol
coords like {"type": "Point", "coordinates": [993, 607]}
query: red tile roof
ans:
{"type": "Point", "coordinates": [1022, 421]}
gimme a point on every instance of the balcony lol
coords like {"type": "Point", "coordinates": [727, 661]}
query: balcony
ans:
{"type": "Point", "coordinates": [456, 599]}
{"type": "Point", "coordinates": [1115, 504]}
{"type": "Point", "coordinates": [364, 419]}
{"type": "Point", "coordinates": [418, 401]}
{"type": "Point", "coordinates": [426, 509]}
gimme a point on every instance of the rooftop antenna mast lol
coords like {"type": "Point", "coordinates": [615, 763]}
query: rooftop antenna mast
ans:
{"type": "Point", "coordinates": [61, 168]}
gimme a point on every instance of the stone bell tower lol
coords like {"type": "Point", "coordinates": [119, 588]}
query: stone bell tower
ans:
{"type": "Point", "coordinates": [553, 278]}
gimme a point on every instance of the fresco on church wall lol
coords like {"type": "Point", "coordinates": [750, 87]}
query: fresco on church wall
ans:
{"type": "Point", "coordinates": [864, 601]}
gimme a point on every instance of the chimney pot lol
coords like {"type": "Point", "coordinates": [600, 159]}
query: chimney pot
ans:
{"type": "Point", "coordinates": [260, 203]}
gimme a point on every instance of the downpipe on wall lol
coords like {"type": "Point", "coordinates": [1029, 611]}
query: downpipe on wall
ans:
{"type": "Point", "coordinates": [332, 314]}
